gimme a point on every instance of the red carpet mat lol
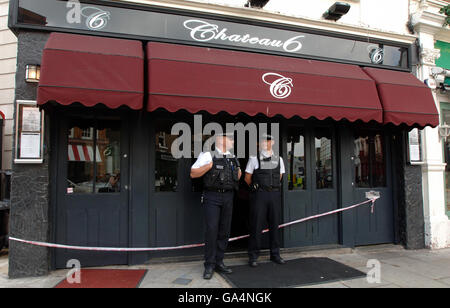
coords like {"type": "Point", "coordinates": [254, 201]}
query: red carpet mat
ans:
{"type": "Point", "coordinates": [106, 278]}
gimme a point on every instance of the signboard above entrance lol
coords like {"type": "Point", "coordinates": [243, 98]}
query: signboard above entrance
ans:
{"type": "Point", "coordinates": [183, 27]}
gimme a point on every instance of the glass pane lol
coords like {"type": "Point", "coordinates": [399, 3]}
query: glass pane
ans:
{"type": "Point", "coordinates": [324, 159]}
{"type": "Point", "coordinates": [166, 166]}
{"type": "Point", "coordinates": [379, 168]}
{"type": "Point", "coordinates": [108, 160]}
{"type": "Point", "coordinates": [80, 170]}
{"type": "Point", "coordinates": [296, 160]}
{"type": "Point", "coordinates": [361, 161]}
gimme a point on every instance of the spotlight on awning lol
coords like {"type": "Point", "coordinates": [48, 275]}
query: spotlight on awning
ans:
{"type": "Point", "coordinates": [336, 11]}
{"type": "Point", "coordinates": [259, 4]}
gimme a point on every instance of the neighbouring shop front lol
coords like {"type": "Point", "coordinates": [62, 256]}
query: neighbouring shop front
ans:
{"type": "Point", "coordinates": [442, 96]}
{"type": "Point", "coordinates": [112, 90]}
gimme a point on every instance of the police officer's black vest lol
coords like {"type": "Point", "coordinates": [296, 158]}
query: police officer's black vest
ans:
{"type": "Point", "coordinates": [223, 175]}
{"type": "Point", "coordinates": [267, 177]}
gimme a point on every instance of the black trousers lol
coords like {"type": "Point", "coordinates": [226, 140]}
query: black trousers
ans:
{"type": "Point", "coordinates": [218, 210]}
{"type": "Point", "coordinates": [264, 207]}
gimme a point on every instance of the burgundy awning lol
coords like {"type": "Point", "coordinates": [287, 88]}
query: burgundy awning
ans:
{"type": "Point", "coordinates": [405, 99]}
{"type": "Point", "coordinates": [92, 70]}
{"type": "Point", "coordinates": [197, 78]}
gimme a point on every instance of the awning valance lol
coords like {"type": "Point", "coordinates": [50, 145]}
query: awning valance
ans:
{"type": "Point", "coordinates": [213, 80]}
{"type": "Point", "coordinates": [83, 153]}
{"type": "Point", "coordinates": [405, 99]}
{"type": "Point", "coordinates": [92, 70]}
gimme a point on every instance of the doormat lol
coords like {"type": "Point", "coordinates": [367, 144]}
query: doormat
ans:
{"type": "Point", "coordinates": [105, 278]}
{"type": "Point", "coordinates": [295, 273]}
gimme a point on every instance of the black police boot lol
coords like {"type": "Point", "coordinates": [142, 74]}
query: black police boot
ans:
{"type": "Point", "coordinates": [222, 268]}
{"type": "Point", "coordinates": [277, 260]}
{"type": "Point", "coordinates": [209, 271]}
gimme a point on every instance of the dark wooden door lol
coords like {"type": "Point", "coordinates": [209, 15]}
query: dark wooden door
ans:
{"type": "Point", "coordinates": [176, 216]}
{"type": "Point", "coordinates": [92, 189]}
{"type": "Point", "coordinates": [372, 170]}
{"type": "Point", "coordinates": [311, 183]}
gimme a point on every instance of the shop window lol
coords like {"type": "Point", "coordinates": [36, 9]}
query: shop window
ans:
{"type": "Point", "coordinates": [379, 171]}
{"type": "Point", "coordinates": [361, 161]}
{"type": "Point", "coordinates": [447, 175]}
{"type": "Point", "coordinates": [324, 158]}
{"type": "Point", "coordinates": [166, 166]}
{"type": "Point", "coordinates": [296, 160]}
{"type": "Point", "coordinates": [369, 160]}
{"type": "Point", "coordinates": [445, 114]}
{"type": "Point", "coordinates": [93, 162]}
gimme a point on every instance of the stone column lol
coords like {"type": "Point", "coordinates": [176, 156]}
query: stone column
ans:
{"type": "Point", "coordinates": [29, 218]}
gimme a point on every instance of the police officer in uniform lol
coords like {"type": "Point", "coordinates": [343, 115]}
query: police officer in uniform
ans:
{"type": "Point", "coordinates": [264, 174]}
{"type": "Point", "coordinates": [221, 173]}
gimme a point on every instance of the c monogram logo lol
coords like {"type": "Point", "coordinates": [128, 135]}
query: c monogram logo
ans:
{"type": "Point", "coordinates": [281, 87]}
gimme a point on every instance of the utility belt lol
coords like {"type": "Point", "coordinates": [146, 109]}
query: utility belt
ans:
{"type": "Point", "coordinates": [258, 188]}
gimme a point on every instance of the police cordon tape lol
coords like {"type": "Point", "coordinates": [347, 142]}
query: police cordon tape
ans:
{"type": "Point", "coordinates": [371, 200]}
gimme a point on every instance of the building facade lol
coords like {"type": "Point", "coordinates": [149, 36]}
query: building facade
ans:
{"type": "Point", "coordinates": [434, 37]}
{"type": "Point", "coordinates": [93, 159]}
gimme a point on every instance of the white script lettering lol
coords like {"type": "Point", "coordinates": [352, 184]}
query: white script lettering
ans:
{"type": "Point", "coordinates": [202, 31]}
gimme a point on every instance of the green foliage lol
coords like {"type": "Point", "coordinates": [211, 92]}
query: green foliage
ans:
{"type": "Point", "coordinates": [446, 10]}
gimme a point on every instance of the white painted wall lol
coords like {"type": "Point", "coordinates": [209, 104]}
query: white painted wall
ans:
{"type": "Point", "coordinates": [8, 54]}
{"type": "Point", "coordinates": [387, 15]}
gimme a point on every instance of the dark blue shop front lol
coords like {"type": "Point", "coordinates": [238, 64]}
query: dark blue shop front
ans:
{"type": "Point", "coordinates": [111, 99]}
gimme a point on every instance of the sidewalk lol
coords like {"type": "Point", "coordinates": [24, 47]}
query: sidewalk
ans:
{"type": "Point", "coordinates": [399, 269]}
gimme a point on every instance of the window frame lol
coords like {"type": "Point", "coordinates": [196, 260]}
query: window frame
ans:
{"type": "Point", "coordinates": [371, 134]}
{"type": "Point", "coordinates": [315, 157]}
{"type": "Point", "coordinates": [155, 140]}
{"type": "Point", "coordinates": [288, 162]}
{"type": "Point", "coordinates": [94, 134]}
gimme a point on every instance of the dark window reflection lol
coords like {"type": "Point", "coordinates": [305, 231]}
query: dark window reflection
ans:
{"type": "Point", "coordinates": [361, 161]}
{"type": "Point", "coordinates": [296, 159]}
{"type": "Point", "coordinates": [369, 160]}
{"type": "Point", "coordinates": [324, 158]}
{"type": "Point", "coordinates": [93, 157]}
{"type": "Point", "coordinates": [379, 169]}
{"type": "Point", "coordinates": [166, 166]}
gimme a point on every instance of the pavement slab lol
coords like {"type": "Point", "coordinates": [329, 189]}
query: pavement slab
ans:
{"type": "Point", "coordinates": [400, 268]}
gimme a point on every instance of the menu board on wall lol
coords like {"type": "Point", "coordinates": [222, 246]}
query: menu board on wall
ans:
{"type": "Point", "coordinates": [29, 133]}
{"type": "Point", "coordinates": [414, 142]}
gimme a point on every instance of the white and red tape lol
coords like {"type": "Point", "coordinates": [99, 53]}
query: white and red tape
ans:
{"type": "Point", "coordinates": [113, 249]}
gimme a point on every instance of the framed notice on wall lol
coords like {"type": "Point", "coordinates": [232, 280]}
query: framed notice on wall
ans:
{"type": "Point", "coordinates": [29, 133]}
{"type": "Point", "coordinates": [414, 146]}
